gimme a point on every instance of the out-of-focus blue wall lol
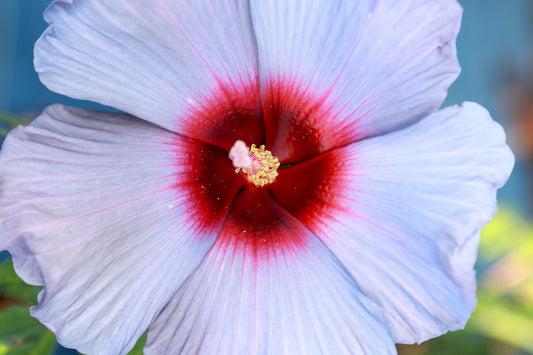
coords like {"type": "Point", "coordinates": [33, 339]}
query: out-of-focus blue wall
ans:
{"type": "Point", "coordinates": [20, 25]}
{"type": "Point", "coordinates": [21, 92]}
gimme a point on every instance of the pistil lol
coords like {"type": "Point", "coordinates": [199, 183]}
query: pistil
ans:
{"type": "Point", "coordinates": [258, 164]}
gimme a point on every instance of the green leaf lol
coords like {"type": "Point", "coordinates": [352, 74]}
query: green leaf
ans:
{"type": "Point", "coordinates": [16, 323]}
{"type": "Point", "coordinates": [20, 350]}
{"type": "Point", "coordinates": [22, 334]}
{"type": "Point", "coordinates": [19, 332]}
{"type": "Point", "coordinates": [11, 121]}
{"type": "Point", "coordinates": [13, 288]}
{"type": "Point", "coordinates": [138, 349]}
{"type": "Point", "coordinates": [45, 345]}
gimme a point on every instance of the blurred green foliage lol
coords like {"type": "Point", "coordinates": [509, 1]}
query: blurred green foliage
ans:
{"type": "Point", "coordinates": [20, 333]}
{"type": "Point", "coordinates": [503, 320]}
{"type": "Point", "coordinates": [8, 122]}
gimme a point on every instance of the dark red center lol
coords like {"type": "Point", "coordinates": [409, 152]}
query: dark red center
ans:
{"type": "Point", "coordinates": [292, 124]}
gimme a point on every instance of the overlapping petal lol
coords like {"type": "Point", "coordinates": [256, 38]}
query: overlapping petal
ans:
{"type": "Point", "coordinates": [372, 66]}
{"type": "Point", "coordinates": [102, 210]}
{"type": "Point", "coordinates": [249, 297]}
{"type": "Point", "coordinates": [158, 60]}
{"type": "Point", "coordinates": [402, 212]}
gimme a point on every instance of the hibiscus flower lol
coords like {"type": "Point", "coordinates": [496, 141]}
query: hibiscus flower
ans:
{"type": "Point", "coordinates": [281, 181]}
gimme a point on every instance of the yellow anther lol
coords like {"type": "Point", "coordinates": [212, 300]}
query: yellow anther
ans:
{"type": "Point", "coordinates": [264, 167]}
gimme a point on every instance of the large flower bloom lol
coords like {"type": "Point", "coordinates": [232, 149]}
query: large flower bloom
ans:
{"type": "Point", "coordinates": [367, 235]}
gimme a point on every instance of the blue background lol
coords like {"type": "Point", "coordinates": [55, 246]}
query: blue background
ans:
{"type": "Point", "coordinates": [496, 35]}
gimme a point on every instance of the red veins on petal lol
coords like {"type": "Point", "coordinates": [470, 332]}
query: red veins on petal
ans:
{"type": "Point", "coordinates": [207, 181]}
{"type": "Point", "coordinates": [228, 114]}
{"type": "Point", "coordinates": [258, 225]}
{"type": "Point", "coordinates": [295, 126]}
{"type": "Point", "coordinates": [308, 190]}
{"type": "Point", "coordinates": [298, 122]}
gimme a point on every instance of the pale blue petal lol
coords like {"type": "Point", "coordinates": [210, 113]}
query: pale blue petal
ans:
{"type": "Point", "coordinates": [293, 301]}
{"type": "Point", "coordinates": [89, 210]}
{"type": "Point", "coordinates": [404, 211]}
{"type": "Point", "coordinates": [157, 60]}
{"type": "Point", "coordinates": [372, 65]}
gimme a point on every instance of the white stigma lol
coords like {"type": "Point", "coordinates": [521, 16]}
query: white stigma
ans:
{"type": "Point", "coordinates": [239, 155]}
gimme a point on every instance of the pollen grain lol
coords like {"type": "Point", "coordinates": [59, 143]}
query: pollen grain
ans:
{"type": "Point", "coordinates": [264, 166]}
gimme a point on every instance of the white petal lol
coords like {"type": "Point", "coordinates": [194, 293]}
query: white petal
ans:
{"type": "Point", "coordinates": [100, 209]}
{"type": "Point", "coordinates": [402, 212]}
{"type": "Point", "coordinates": [158, 60]}
{"type": "Point", "coordinates": [370, 66]}
{"type": "Point", "coordinates": [248, 300]}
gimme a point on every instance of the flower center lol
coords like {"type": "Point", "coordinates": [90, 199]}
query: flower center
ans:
{"type": "Point", "coordinates": [259, 165]}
